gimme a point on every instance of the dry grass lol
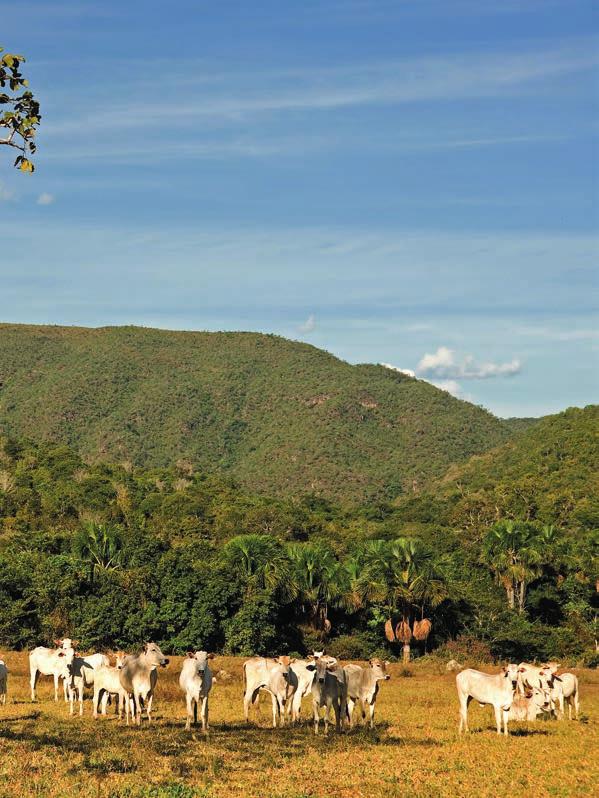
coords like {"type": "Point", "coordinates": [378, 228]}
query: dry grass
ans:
{"type": "Point", "coordinates": [415, 749]}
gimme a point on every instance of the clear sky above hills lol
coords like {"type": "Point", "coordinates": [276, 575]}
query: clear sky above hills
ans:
{"type": "Point", "coordinates": [398, 181]}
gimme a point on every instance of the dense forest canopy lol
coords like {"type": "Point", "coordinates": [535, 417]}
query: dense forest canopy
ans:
{"type": "Point", "coordinates": [500, 554]}
{"type": "Point", "coordinates": [278, 416]}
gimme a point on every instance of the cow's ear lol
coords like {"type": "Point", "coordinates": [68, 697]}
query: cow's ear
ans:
{"type": "Point", "coordinates": [370, 662]}
{"type": "Point", "coordinates": [190, 654]}
{"type": "Point", "coordinates": [61, 653]}
{"type": "Point", "coordinates": [292, 660]}
{"type": "Point", "coordinates": [210, 656]}
{"type": "Point", "coordinates": [311, 667]}
{"type": "Point", "coordinates": [387, 663]}
{"type": "Point", "coordinates": [74, 643]}
{"type": "Point", "coordinates": [58, 642]}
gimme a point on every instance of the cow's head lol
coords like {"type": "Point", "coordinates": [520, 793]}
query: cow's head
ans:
{"type": "Point", "coordinates": [201, 658]}
{"type": "Point", "coordinates": [379, 669]}
{"type": "Point", "coordinates": [120, 658]}
{"type": "Point", "coordinates": [320, 668]}
{"type": "Point", "coordinates": [154, 655]}
{"type": "Point", "coordinates": [285, 663]}
{"type": "Point", "coordinates": [512, 672]}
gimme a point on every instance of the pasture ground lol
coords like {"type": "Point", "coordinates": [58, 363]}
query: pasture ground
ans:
{"type": "Point", "coordinates": [414, 750]}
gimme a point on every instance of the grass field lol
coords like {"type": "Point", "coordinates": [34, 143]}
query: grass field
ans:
{"type": "Point", "coordinates": [413, 751]}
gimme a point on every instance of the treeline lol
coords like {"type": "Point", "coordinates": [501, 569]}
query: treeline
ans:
{"type": "Point", "coordinates": [113, 555]}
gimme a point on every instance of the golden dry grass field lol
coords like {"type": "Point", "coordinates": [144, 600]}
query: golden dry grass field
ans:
{"type": "Point", "coordinates": [414, 750]}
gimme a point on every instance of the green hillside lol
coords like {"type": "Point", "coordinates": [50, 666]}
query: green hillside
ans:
{"type": "Point", "coordinates": [549, 473]}
{"type": "Point", "coordinates": [280, 416]}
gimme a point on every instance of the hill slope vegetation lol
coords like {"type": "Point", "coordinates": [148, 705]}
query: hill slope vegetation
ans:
{"type": "Point", "coordinates": [279, 416]}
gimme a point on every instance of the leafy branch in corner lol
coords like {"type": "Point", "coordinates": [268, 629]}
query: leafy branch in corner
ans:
{"type": "Point", "coordinates": [23, 115]}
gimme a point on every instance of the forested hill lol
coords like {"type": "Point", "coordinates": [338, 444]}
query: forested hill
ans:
{"type": "Point", "coordinates": [548, 473]}
{"type": "Point", "coordinates": [280, 416]}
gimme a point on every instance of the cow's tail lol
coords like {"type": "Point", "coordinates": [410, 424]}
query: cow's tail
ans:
{"type": "Point", "coordinates": [244, 678]}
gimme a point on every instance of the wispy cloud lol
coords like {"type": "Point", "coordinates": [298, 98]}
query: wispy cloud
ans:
{"type": "Point", "coordinates": [237, 96]}
{"type": "Point", "coordinates": [5, 193]}
{"type": "Point", "coordinates": [391, 367]}
{"type": "Point", "coordinates": [309, 325]}
{"type": "Point", "coordinates": [45, 198]}
{"type": "Point", "coordinates": [444, 364]}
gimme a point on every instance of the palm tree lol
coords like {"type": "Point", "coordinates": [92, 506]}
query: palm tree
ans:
{"type": "Point", "coordinates": [317, 575]}
{"type": "Point", "coordinates": [101, 546]}
{"type": "Point", "coordinates": [513, 552]}
{"type": "Point", "coordinates": [260, 563]}
{"type": "Point", "coordinates": [404, 576]}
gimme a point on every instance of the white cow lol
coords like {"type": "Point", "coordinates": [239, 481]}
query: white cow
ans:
{"type": "Point", "coordinates": [272, 676]}
{"type": "Point", "coordinates": [196, 682]}
{"type": "Point", "coordinates": [495, 689]}
{"type": "Point", "coordinates": [363, 687]}
{"type": "Point", "coordinates": [535, 676]}
{"type": "Point", "coordinates": [300, 684]}
{"type": "Point", "coordinates": [563, 689]}
{"type": "Point", "coordinates": [107, 683]}
{"type": "Point", "coordinates": [327, 692]}
{"type": "Point", "coordinates": [139, 676]}
{"type": "Point", "coordinates": [53, 662]}
{"type": "Point", "coordinates": [529, 706]}
{"type": "Point", "coordinates": [81, 675]}
{"type": "Point", "coordinates": [3, 681]}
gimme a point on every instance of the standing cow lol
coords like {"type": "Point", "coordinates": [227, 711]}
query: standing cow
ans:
{"type": "Point", "coordinates": [363, 687]}
{"type": "Point", "coordinates": [327, 692]}
{"type": "Point", "coordinates": [107, 683]}
{"type": "Point", "coordinates": [53, 662]}
{"type": "Point", "coordinates": [138, 677]}
{"type": "Point", "coordinates": [497, 690]}
{"type": "Point", "coordinates": [81, 675]}
{"type": "Point", "coordinates": [196, 682]}
{"type": "Point", "coordinates": [274, 677]}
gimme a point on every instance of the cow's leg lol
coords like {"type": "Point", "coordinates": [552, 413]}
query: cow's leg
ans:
{"type": "Point", "coordinates": [338, 706]}
{"type": "Point", "coordinates": [371, 708]}
{"type": "Point", "coordinates": [275, 709]}
{"type": "Point", "coordinates": [498, 718]}
{"type": "Point", "coordinates": [191, 706]}
{"type": "Point", "coordinates": [81, 688]}
{"type": "Point", "coordinates": [33, 676]}
{"type": "Point", "coordinates": [464, 701]}
{"type": "Point", "coordinates": [151, 696]}
{"type": "Point", "coordinates": [56, 687]}
{"type": "Point", "coordinates": [204, 713]}
{"type": "Point", "coordinates": [316, 713]}
{"type": "Point", "coordinates": [350, 712]}
{"type": "Point", "coordinates": [506, 716]}
{"type": "Point", "coordinates": [576, 704]}
{"type": "Point", "coordinates": [65, 690]}
{"type": "Point", "coordinates": [96, 702]}
{"type": "Point", "coordinates": [105, 701]}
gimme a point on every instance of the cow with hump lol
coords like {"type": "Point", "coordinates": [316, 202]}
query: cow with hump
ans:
{"type": "Point", "coordinates": [273, 676]}
{"type": "Point", "coordinates": [495, 689]}
{"type": "Point", "coordinates": [139, 676]}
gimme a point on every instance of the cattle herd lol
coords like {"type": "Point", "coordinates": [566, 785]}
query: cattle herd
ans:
{"type": "Point", "coordinates": [517, 692]}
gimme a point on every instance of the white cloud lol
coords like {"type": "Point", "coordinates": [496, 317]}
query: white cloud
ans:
{"type": "Point", "coordinates": [309, 325]}
{"type": "Point", "coordinates": [444, 365]}
{"type": "Point", "coordinates": [409, 372]}
{"type": "Point", "coordinates": [451, 386]}
{"type": "Point", "coordinates": [45, 198]}
{"type": "Point", "coordinates": [5, 194]}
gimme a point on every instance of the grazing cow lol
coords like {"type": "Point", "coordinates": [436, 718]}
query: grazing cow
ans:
{"type": "Point", "coordinates": [363, 686]}
{"type": "Point", "coordinates": [196, 682]}
{"type": "Point", "coordinates": [81, 675]}
{"type": "Point", "coordinates": [496, 689]}
{"type": "Point", "coordinates": [529, 706]}
{"type": "Point", "coordinates": [272, 676]}
{"type": "Point", "coordinates": [3, 681]}
{"type": "Point", "coordinates": [138, 677]}
{"type": "Point", "coordinates": [53, 662]}
{"type": "Point", "coordinates": [107, 683]}
{"type": "Point", "coordinates": [327, 691]}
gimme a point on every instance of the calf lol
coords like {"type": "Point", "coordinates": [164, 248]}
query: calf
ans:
{"type": "Point", "coordinates": [196, 682]}
{"type": "Point", "coordinates": [272, 676]}
{"type": "Point", "coordinates": [53, 662]}
{"type": "Point", "coordinates": [529, 706]}
{"type": "Point", "coordinates": [327, 692]}
{"type": "Point", "coordinates": [3, 681]}
{"type": "Point", "coordinates": [138, 677]}
{"type": "Point", "coordinates": [107, 683]}
{"type": "Point", "coordinates": [363, 687]}
{"type": "Point", "coordinates": [496, 689]}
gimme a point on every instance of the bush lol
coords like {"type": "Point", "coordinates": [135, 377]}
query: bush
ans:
{"type": "Point", "coordinates": [465, 649]}
{"type": "Point", "coordinates": [356, 646]}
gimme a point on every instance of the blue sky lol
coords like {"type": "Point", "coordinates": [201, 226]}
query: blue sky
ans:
{"type": "Point", "coordinates": [412, 182]}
